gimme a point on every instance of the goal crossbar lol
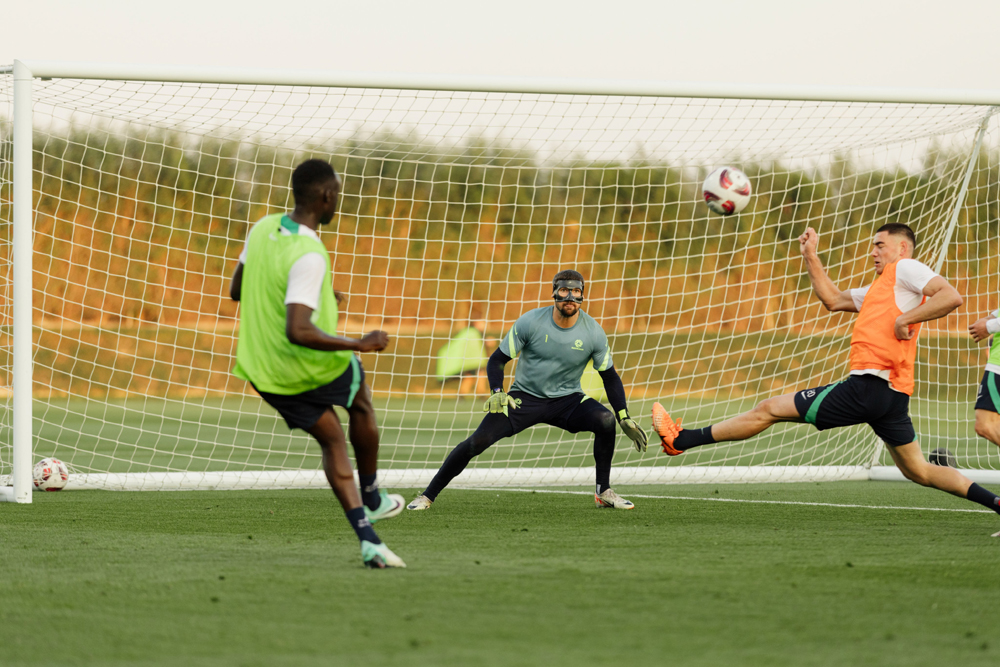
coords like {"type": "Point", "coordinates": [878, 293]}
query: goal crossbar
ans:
{"type": "Point", "coordinates": [45, 69]}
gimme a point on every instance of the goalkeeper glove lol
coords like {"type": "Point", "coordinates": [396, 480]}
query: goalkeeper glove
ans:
{"type": "Point", "coordinates": [498, 402]}
{"type": "Point", "coordinates": [632, 430]}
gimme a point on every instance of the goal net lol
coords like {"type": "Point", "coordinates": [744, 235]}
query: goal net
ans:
{"type": "Point", "coordinates": [458, 208]}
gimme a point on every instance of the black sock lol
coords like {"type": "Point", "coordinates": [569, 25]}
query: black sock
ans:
{"type": "Point", "coordinates": [978, 494]}
{"type": "Point", "coordinates": [604, 451]}
{"type": "Point", "coordinates": [370, 495]}
{"type": "Point", "coordinates": [694, 437]}
{"type": "Point", "coordinates": [362, 526]}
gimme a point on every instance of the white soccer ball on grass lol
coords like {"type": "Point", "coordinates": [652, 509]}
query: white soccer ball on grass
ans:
{"type": "Point", "coordinates": [50, 474]}
{"type": "Point", "coordinates": [727, 190]}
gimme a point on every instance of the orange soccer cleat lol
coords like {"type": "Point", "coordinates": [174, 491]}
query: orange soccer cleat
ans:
{"type": "Point", "coordinates": [666, 429]}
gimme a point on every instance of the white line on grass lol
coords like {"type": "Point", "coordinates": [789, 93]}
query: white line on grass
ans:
{"type": "Point", "coordinates": [739, 500]}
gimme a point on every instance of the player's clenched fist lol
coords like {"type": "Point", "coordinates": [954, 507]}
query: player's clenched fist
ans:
{"type": "Point", "coordinates": [374, 341]}
{"type": "Point", "coordinates": [808, 242]}
{"type": "Point", "coordinates": [498, 402]}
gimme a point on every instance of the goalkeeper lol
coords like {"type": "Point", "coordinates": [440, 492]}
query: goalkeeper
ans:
{"type": "Point", "coordinates": [555, 344]}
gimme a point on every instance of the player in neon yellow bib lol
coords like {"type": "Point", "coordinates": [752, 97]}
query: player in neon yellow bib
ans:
{"type": "Point", "coordinates": [289, 351]}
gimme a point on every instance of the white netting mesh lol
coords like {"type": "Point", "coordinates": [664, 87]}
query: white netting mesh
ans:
{"type": "Point", "coordinates": [459, 208]}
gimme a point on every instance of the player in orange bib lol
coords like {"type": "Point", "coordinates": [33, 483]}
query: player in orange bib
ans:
{"type": "Point", "coordinates": [883, 350]}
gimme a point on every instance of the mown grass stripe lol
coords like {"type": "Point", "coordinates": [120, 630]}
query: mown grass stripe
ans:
{"type": "Point", "coordinates": [740, 500]}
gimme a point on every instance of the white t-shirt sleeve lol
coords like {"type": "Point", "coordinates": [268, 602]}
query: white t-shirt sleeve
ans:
{"type": "Point", "coordinates": [858, 295]}
{"type": "Point", "coordinates": [305, 280]}
{"type": "Point", "coordinates": [913, 275]}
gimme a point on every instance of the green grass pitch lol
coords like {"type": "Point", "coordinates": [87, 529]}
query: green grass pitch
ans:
{"type": "Point", "coordinates": [504, 578]}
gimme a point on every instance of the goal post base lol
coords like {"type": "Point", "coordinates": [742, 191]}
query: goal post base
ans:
{"type": "Point", "coordinates": [473, 477]}
{"type": "Point", "coordinates": [491, 477]}
{"type": "Point", "coordinates": [7, 495]}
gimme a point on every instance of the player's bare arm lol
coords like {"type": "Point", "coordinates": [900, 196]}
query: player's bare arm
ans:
{"type": "Point", "coordinates": [301, 331]}
{"type": "Point", "coordinates": [833, 298]}
{"type": "Point", "coordinates": [942, 299]}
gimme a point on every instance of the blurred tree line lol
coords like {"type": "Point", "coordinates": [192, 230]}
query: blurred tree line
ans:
{"type": "Point", "coordinates": [145, 228]}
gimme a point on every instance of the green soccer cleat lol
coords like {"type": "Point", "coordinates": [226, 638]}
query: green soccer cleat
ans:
{"type": "Point", "coordinates": [378, 556]}
{"type": "Point", "coordinates": [391, 505]}
{"type": "Point", "coordinates": [611, 499]}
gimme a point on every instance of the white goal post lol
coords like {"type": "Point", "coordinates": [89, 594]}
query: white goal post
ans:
{"type": "Point", "coordinates": [126, 193]}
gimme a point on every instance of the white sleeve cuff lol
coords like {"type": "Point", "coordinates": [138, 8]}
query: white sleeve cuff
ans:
{"type": "Point", "coordinates": [858, 296]}
{"type": "Point", "coordinates": [993, 326]}
{"type": "Point", "coordinates": [305, 280]}
{"type": "Point", "coordinates": [914, 275]}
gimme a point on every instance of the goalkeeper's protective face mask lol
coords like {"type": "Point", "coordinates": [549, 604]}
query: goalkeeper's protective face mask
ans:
{"type": "Point", "coordinates": [567, 290]}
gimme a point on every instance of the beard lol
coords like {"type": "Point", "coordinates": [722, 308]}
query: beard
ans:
{"type": "Point", "coordinates": [568, 308]}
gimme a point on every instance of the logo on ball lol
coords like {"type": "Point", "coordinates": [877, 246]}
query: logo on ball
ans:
{"type": "Point", "coordinates": [727, 190]}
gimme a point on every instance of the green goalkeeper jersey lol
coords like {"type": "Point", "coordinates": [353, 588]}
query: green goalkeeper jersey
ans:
{"type": "Point", "coordinates": [553, 358]}
{"type": "Point", "coordinates": [264, 355]}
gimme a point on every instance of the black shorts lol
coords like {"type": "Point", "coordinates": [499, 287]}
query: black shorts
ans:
{"type": "Point", "coordinates": [564, 412]}
{"type": "Point", "coordinates": [860, 399]}
{"type": "Point", "coordinates": [988, 397]}
{"type": "Point", "coordinates": [304, 410]}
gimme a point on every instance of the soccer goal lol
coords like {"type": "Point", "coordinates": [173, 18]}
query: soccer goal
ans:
{"type": "Point", "coordinates": [126, 194]}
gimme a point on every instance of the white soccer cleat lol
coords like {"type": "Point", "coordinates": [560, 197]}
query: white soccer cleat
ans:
{"type": "Point", "coordinates": [420, 503]}
{"type": "Point", "coordinates": [611, 499]}
{"type": "Point", "coordinates": [995, 535]}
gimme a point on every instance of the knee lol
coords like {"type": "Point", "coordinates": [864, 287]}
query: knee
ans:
{"type": "Point", "coordinates": [917, 473]}
{"type": "Point", "coordinates": [982, 430]}
{"type": "Point", "coordinates": [606, 424]}
{"type": "Point", "coordinates": [765, 409]}
{"type": "Point", "coordinates": [476, 444]}
{"type": "Point", "coordinates": [361, 406]}
{"type": "Point", "coordinates": [986, 429]}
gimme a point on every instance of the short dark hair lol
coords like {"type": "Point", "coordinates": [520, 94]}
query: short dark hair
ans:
{"type": "Point", "coordinates": [308, 177]}
{"type": "Point", "coordinates": [899, 229]}
{"type": "Point", "coordinates": [567, 274]}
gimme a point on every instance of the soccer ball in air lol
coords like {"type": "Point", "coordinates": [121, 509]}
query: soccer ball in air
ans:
{"type": "Point", "coordinates": [727, 190]}
{"type": "Point", "coordinates": [50, 474]}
